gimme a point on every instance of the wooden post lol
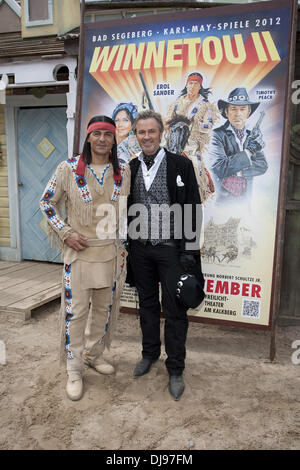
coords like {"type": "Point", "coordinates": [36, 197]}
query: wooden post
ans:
{"type": "Point", "coordinates": [80, 69]}
{"type": "Point", "coordinates": [275, 302]}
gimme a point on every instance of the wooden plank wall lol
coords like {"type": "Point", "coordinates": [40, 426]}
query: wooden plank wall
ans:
{"type": "Point", "coordinates": [290, 286]}
{"type": "Point", "coordinates": [4, 203]}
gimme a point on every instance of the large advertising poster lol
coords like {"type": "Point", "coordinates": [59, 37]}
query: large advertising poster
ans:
{"type": "Point", "coordinates": [219, 77]}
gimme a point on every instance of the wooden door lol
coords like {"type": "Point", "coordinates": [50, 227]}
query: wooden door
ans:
{"type": "Point", "coordinates": [42, 145]}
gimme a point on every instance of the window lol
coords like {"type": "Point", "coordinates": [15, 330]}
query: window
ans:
{"type": "Point", "coordinates": [38, 12]}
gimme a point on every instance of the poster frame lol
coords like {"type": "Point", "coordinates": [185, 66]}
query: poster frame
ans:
{"type": "Point", "coordinates": [282, 192]}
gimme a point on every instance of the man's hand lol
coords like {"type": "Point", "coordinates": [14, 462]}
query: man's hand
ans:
{"type": "Point", "coordinates": [255, 144]}
{"type": "Point", "coordinates": [187, 261]}
{"type": "Point", "coordinates": [76, 241]}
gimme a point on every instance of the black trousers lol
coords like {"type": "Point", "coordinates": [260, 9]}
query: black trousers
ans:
{"type": "Point", "coordinates": [150, 265]}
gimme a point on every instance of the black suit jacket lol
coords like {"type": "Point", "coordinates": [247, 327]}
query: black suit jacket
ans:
{"type": "Point", "coordinates": [188, 193]}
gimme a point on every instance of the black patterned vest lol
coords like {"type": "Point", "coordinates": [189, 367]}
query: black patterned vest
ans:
{"type": "Point", "coordinates": [156, 222]}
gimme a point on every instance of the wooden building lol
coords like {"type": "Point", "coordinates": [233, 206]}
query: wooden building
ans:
{"type": "Point", "coordinates": [37, 115]}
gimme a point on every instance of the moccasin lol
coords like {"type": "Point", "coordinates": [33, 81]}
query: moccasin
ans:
{"type": "Point", "coordinates": [101, 366]}
{"type": "Point", "coordinates": [74, 389]}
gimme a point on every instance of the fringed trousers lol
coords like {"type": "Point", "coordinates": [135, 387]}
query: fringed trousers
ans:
{"type": "Point", "coordinates": [86, 318]}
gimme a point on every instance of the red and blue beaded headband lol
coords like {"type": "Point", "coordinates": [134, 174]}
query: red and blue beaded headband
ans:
{"type": "Point", "coordinates": [101, 126]}
{"type": "Point", "coordinates": [195, 78]}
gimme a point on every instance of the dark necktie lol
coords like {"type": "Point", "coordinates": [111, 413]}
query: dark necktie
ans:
{"type": "Point", "coordinates": [239, 133]}
{"type": "Point", "coordinates": [149, 159]}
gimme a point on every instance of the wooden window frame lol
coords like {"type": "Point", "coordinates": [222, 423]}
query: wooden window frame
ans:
{"type": "Point", "coordinates": [29, 23]}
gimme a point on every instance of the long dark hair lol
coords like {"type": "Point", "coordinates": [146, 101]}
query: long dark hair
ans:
{"type": "Point", "coordinates": [86, 151]}
{"type": "Point", "coordinates": [203, 91]}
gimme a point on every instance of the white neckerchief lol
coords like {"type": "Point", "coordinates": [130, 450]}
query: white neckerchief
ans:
{"type": "Point", "coordinates": [150, 174]}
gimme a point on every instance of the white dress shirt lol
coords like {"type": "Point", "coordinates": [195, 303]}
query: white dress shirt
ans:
{"type": "Point", "coordinates": [150, 174]}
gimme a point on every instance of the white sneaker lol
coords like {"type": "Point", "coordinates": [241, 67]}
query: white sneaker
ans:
{"type": "Point", "coordinates": [74, 389]}
{"type": "Point", "coordinates": [101, 366]}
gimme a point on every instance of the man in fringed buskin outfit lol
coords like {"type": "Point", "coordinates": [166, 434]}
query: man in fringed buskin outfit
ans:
{"type": "Point", "coordinates": [91, 186]}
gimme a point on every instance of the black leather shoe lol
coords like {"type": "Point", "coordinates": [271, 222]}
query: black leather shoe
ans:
{"type": "Point", "coordinates": [176, 386]}
{"type": "Point", "coordinates": [142, 367]}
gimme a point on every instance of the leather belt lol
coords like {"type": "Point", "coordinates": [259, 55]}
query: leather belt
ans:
{"type": "Point", "coordinates": [173, 243]}
{"type": "Point", "coordinates": [169, 243]}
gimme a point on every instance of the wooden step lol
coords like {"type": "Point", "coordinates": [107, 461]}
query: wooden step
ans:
{"type": "Point", "coordinates": [27, 285]}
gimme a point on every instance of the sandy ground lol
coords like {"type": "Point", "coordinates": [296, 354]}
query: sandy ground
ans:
{"type": "Point", "coordinates": [234, 398]}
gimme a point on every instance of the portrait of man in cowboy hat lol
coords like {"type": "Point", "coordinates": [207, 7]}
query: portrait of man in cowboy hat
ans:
{"type": "Point", "coordinates": [236, 154]}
